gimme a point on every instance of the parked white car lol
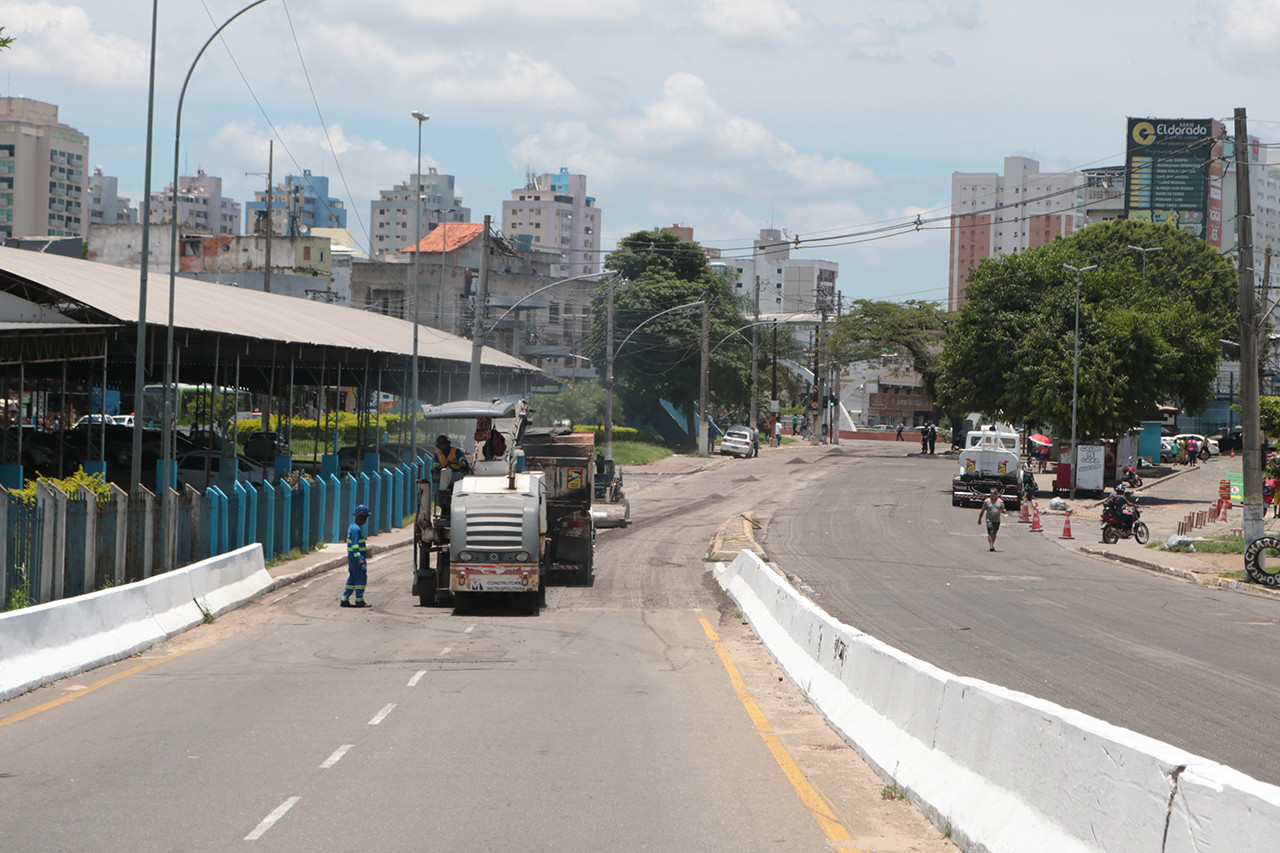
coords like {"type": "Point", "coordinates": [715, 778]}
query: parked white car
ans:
{"type": "Point", "coordinates": [739, 441]}
{"type": "Point", "coordinates": [191, 469]}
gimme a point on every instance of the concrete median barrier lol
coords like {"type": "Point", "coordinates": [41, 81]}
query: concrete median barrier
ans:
{"type": "Point", "coordinates": [1004, 771]}
{"type": "Point", "coordinates": [51, 641]}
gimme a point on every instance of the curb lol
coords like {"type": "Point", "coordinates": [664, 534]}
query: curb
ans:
{"type": "Point", "coordinates": [1242, 587]}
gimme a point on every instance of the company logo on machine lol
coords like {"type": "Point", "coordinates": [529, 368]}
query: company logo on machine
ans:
{"type": "Point", "coordinates": [1002, 468]}
{"type": "Point", "coordinates": [573, 478]}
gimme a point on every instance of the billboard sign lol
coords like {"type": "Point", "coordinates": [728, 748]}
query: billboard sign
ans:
{"type": "Point", "coordinates": [1167, 176]}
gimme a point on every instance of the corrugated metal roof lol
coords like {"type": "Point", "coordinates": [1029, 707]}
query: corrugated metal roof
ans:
{"type": "Point", "coordinates": [221, 309]}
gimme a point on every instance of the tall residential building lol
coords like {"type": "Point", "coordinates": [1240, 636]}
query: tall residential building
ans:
{"type": "Point", "coordinates": [42, 177]}
{"type": "Point", "coordinates": [394, 214]}
{"type": "Point", "coordinates": [201, 206]}
{"type": "Point", "coordinates": [106, 206]}
{"type": "Point", "coordinates": [554, 213]}
{"type": "Point", "coordinates": [787, 285]}
{"type": "Point", "coordinates": [994, 215]}
{"type": "Point", "coordinates": [298, 205]}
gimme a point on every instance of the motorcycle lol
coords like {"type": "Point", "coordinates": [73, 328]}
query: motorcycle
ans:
{"type": "Point", "coordinates": [1124, 524]}
{"type": "Point", "coordinates": [1131, 477]}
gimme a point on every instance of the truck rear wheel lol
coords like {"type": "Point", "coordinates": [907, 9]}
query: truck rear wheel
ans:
{"type": "Point", "coordinates": [529, 603]}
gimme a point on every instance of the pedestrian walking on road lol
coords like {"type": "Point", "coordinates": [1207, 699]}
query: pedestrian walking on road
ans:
{"type": "Point", "coordinates": [357, 566]}
{"type": "Point", "coordinates": [777, 432]}
{"type": "Point", "coordinates": [795, 424]}
{"type": "Point", "coordinates": [924, 439]}
{"type": "Point", "coordinates": [901, 427]}
{"type": "Point", "coordinates": [992, 509]}
{"type": "Point", "coordinates": [933, 437]}
{"type": "Point", "coordinates": [1193, 451]}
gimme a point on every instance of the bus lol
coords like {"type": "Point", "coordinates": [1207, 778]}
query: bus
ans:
{"type": "Point", "coordinates": [194, 403]}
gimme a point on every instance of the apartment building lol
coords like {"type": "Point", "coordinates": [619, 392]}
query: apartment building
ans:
{"type": "Point", "coordinates": [393, 215]}
{"type": "Point", "coordinates": [105, 204]}
{"type": "Point", "coordinates": [42, 172]}
{"type": "Point", "coordinates": [201, 205]}
{"type": "Point", "coordinates": [299, 204]}
{"type": "Point", "coordinates": [553, 212]}
{"type": "Point", "coordinates": [787, 285]}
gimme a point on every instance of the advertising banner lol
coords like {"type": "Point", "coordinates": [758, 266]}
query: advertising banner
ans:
{"type": "Point", "coordinates": [1167, 176]}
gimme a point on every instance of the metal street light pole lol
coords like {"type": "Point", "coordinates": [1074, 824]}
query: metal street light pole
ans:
{"type": "Point", "coordinates": [170, 391]}
{"type": "Point", "coordinates": [1075, 374]}
{"type": "Point", "coordinates": [417, 252]}
{"type": "Point", "coordinates": [1144, 256]}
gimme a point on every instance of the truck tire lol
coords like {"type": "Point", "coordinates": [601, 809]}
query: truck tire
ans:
{"type": "Point", "coordinates": [528, 603]}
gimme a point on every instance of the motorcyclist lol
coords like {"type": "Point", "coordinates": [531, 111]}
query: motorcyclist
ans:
{"type": "Point", "coordinates": [1113, 508]}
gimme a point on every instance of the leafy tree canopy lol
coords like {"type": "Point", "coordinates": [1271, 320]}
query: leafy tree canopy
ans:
{"type": "Point", "coordinates": [657, 355]}
{"type": "Point", "coordinates": [581, 403]}
{"type": "Point", "coordinates": [875, 330]}
{"type": "Point", "coordinates": [1143, 341]}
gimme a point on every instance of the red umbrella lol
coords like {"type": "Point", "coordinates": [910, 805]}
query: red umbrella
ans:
{"type": "Point", "coordinates": [1040, 439]}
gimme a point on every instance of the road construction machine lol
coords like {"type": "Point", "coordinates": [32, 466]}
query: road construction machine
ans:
{"type": "Point", "coordinates": [505, 524]}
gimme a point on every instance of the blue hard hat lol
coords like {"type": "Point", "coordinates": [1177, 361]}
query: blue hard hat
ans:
{"type": "Point", "coordinates": [362, 510]}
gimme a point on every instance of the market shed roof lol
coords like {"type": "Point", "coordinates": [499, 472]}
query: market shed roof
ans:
{"type": "Point", "coordinates": [91, 292]}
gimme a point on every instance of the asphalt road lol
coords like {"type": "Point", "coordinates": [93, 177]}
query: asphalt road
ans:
{"type": "Point", "coordinates": [878, 545]}
{"type": "Point", "coordinates": [608, 722]}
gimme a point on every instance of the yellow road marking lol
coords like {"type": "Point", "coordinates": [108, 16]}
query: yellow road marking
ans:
{"type": "Point", "coordinates": [819, 806]}
{"type": "Point", "coordinates": [39, 709]}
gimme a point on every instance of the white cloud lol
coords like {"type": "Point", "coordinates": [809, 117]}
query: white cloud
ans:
{"type": "Point", "coordinates": [756, 20]}
{"type": "Point", "coordinates": [64, 42]}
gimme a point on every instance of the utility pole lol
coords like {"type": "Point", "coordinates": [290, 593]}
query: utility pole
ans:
{"type": "Point", "coordinates": [703, 442]}
{"type": "Point", "coordinates": [477, 320]}
{"type": "Point", "coordinates": [835, 382]}
{"type": "Point", "coordinates": [814, 407]}
{"type": "Point", "coordinates": [608, 376]}
{"type": "Point", "coordinates": [755, 361]}
{"type": "Point", "coordinates": [1250, 414]}
{"type": "Point", "coordinates": [773, 400]}
{"type": "Point", "coordinates": [266, 273]}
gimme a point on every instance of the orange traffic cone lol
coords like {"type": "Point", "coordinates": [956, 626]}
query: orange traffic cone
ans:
{"type": "Point", "coordinates": [1066, 528]}
{"type": "Point", "coordinates": [1223, 506]}
{"type": "Point", "coordinates": [1035, 520]}
{"type": "Point", "coordinates": [1233, 453]}
{"type": "Point", "coordinates": [1025, 517]}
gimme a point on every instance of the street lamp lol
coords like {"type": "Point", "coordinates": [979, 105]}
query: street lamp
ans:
{"type": "Point", "coordinates": [479, 334]}
{"type": "Point", "coordinates": [417, 250]}
{"type": "Point", "coordinates": [170, 398]}
{"type": "Point", "coordinates": [1144, 256]}
{"type": "Point", "coordinates": [1075, 374]}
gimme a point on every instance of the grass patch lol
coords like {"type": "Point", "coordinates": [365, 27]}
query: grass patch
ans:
{"type": "Point", "coordinates": [1231, 544]}
{"type": "Point", "coordinates": [892, 792]}
{"type": "Point", "coordinates": [638, 452]}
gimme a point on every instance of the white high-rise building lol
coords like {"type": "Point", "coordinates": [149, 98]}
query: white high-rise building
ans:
{"type": "Point", "coordinates": [787, 285]}
{"type": "Point", "coordinates": [202, 208]}
{"type": "Point", "coordinates": [394, 213]}
{"type": "Point", "coordinates": [994, 215]}
{"type": "Point", "coordinates": [105, 204]}
{"type": "Point", "coordinates": [554, 213]}
{"type": "Point", "coordinates": [42, 177]}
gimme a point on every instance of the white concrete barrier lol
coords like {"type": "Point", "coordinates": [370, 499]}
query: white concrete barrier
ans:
{"type": "Point", "coordinates": [1003, 770]}
{"type": "Point", "coordinates": [61, 638]}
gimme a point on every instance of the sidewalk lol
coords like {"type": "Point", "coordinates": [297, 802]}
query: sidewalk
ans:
{"type": "Point", "coordinates": [1164, 501]}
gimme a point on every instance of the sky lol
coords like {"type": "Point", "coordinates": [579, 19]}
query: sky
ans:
{"type": "Point", "coordinates": [819, 117]}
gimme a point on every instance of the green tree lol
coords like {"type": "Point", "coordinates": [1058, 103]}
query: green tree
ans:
{"type": "Point", "coordinates": [1143, 341]}
{"type": "Point", "coordinates": [5, 41]}
{"type": "Point", "coordinates": [875, 330]}
{"type": "Point", "coordinates": [658, 355]}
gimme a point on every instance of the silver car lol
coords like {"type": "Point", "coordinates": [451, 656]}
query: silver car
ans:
{"type": "Point", "coordinates": [739, 441]}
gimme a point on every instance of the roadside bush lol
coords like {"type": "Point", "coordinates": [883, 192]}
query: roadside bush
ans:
{"type": "Point", "coordinates": [70, 486]}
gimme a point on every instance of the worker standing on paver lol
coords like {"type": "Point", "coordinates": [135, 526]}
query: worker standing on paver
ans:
{"type": "Point", "coordinates": [357, 565]}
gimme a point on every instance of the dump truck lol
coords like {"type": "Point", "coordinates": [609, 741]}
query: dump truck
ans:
{"type": "Point", "coordinates": [507, 524]}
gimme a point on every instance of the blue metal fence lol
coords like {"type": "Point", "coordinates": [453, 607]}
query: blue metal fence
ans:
{"type": "Point", "coordinates": [60, 546]}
